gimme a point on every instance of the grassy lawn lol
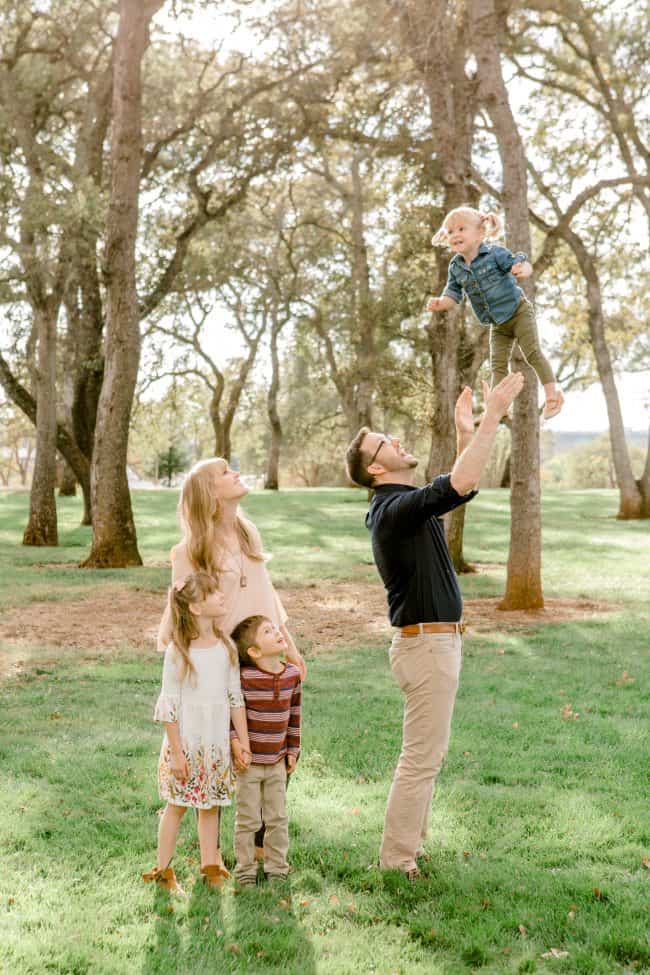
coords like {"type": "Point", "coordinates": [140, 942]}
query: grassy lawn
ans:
{"type": "Point", "coordinates": [540, 831]}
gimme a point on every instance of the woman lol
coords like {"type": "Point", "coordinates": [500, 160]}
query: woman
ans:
{"type": "Point", "coordinates": [217, 539]}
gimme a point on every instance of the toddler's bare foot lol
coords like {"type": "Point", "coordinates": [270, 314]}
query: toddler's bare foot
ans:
{"type": "Point", "coordinates": [553, 405]}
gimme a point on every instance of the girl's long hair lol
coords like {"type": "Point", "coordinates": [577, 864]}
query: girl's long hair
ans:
{"type": "Point", "coordinates": [191, 590]}
{"type": "Point", "coordinates": [491, 225]}
{"type": "Point", "coordinates": [200, 516]}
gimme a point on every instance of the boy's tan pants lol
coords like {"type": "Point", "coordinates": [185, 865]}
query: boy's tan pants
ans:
{"type": "Point", "coordinates": [522, 328]}
{"type": "Point", "coordinates": [427, 668]}
{"type": "Point", "coordinates": [261, 797]}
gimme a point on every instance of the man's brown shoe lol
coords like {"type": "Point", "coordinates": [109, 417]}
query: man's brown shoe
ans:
{"type": "Point", "coordinates": [164, 878]}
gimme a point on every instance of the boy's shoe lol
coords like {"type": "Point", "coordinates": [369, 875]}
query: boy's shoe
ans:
{"type": "Point", "coordinates": [553, 406]}
{"type": "Point", "coordinates": [413, 875]}
{"type": "Point", "coordinates": [164, 878]}
{"type": "Point", "coordinates": [214, 875]}
{"type": "Point", "coordinates": [276, 878]}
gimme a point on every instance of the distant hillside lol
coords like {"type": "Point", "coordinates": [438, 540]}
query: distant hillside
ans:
{"type": "Point", "coordinates": [560, 443]}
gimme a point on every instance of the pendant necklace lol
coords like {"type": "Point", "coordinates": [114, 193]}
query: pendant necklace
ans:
{"type": "Point", "coordinates": [243, 581]}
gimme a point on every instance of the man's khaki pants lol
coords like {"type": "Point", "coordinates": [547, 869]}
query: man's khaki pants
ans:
{"type": "Point", "coordinates": [261, 798]}
{"type": "Point", "coordinates": [427, 668]}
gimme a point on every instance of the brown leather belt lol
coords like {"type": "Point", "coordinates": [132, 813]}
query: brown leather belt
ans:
{"type": "Point", "coordinates": [415, 629]}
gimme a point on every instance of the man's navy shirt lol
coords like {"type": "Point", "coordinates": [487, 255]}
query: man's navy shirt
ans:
{"type": "Point", "coordinates": [410, 550]}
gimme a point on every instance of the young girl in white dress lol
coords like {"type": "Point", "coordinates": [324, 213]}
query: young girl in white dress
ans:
{"type": "Point", "coordinates": [200, 695]}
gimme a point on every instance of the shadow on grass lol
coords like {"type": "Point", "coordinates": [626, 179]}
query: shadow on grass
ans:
{"type": "Point", "coordinates": [261, 933]}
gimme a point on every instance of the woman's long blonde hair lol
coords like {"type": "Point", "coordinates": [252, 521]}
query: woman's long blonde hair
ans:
{"type": "Point", "coordinates": [491, 225]}
{"type": "Point", "coordinates": [200, 515]}
{"type": "Point", "coordinates": [187, 592]}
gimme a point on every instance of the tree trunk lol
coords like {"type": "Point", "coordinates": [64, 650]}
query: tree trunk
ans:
{"type": "Point", "coordinates": [631, 503]}
{"type": "Point", "coordinates": [363, 317]}
{"type": "Point", "coordinates": [644, 483]}
{"type": "Point", "coordinates": [436, 37]}
{"type": "Point", "coordinates": [42, 525]}
{"type": "Point", "coordinates": [65, 442]}
{"type": "Point", "coordinates": [272, 481]}
{"type": "Point", "coordinates": [67, 481]}
{"type": "Point", "coordinates": [114, 542]}
{"type": "Point", "coordinates": [524, 579]}
{"type": "Point", "coordinates": [506, 476]}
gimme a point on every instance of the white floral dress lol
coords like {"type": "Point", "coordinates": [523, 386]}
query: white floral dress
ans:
{"type": "Point", "coordinates": [200, 703]}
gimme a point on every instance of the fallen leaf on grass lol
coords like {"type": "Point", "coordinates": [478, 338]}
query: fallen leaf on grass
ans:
{"type": "Point", "coordinates": [333, 900]}
{"type": "Point", "coordinates": [625, 678]}
{"type": "Point", "coordinates": [304, 903]}
{"type": "Point", "coordinates": [352, 909]}
{"type": "Point", "coordinates": [568, 714]}
{"type": "Point", "coordinates": [555, 953]}
{"type": "Point", "coordinates": [55, 716]}
{"type": "Point", "coordinates": [234, 948]}
{"type": "Point", "coordinates": [283, 903]}
{"type": "Point", "coordinates": [600, 895]}
{"type": "Point", "coordinates": [515, 724]}
{"type": "Point", "coordinates": [261, 954]}
{"type": "Point", "coordinates": [522, 930]}
{"type": "Point", "coordinates": [500, 650]}
{"type": "Point", "coordinates": [644, 860]}
{"type": "Point", "coordinates": [485, 904]}
{"type": "Point", "coordinates": [355, 811]}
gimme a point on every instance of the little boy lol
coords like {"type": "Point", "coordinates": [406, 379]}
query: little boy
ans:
{"type": "Point", "coordinates": [272, 692]}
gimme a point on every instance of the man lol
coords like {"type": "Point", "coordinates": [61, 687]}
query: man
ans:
{"type": "Point", "coordinates": [424, 601]}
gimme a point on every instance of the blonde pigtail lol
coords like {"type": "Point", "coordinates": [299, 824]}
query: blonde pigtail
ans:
{"type": "Point", "coordinates": [492, 225]}
{"type": "Point", "coordinates": [441, 237]}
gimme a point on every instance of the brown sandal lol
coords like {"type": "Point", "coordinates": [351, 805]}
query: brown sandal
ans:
{"type": "Point", "coordinates": [214, 875]}
{"type": "Point", "coordinates": [164, 878]}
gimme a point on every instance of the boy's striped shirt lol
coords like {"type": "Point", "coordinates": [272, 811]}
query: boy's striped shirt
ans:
{"type": "Point", "coordinates": [273, 704]}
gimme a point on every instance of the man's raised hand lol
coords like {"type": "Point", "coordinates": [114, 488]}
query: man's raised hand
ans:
{"type": "Point", "coordinates": [463, 415]}
{"type": "Point", "coordinates": [498, 400]}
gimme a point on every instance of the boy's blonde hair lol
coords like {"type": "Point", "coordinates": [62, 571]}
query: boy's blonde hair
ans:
{"type": "Point", "coordinates": [491, 224]}
{"type": "Point", "coordinates": [187, 592]}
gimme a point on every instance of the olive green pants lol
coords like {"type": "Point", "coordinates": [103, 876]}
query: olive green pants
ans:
{"type": "Point", "coordinates": [520, 328]}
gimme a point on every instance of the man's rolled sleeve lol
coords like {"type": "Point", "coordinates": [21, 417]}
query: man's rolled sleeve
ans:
{"type": "Point", "coordinates": [409, 510]}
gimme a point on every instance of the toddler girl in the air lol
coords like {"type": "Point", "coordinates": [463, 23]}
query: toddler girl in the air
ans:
{"type": "Point", "coordinates": [488, 275]}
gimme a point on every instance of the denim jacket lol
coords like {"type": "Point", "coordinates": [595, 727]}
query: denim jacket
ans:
{"type": "Point", "coordinates": [487, 282]}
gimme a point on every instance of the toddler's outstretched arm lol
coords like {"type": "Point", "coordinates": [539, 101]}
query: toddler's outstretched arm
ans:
{"type": "Point", "coordinates": [522, 269]}
{"type": "Point", "coordinates": [440, 304]}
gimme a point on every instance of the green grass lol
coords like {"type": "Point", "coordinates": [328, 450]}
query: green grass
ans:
{"type": "Point", "coordinates": [539, 827]}
{"type": "Point", "coordinates": [320, 534]}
